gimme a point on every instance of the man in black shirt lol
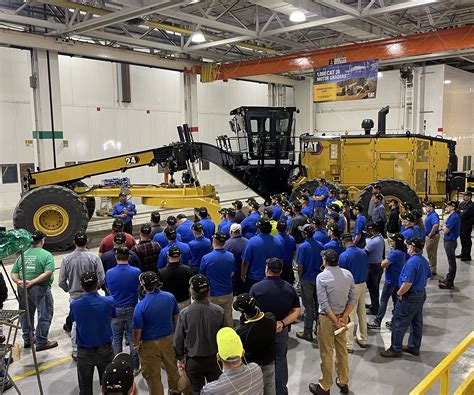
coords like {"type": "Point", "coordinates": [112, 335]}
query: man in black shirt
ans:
{"type": "Point", "coordinates": [239, 214]}
{"type": "Point", "coordinates": [258, 333]}
{"type": "Point", "coordinates": [296, 222]}
{"type": "Point", "coordinates": [466, 213]}
{"type": "Point", "coordinates": [155, 219]}
{"type": "Point", "coordinates": [393, 223]}
{"type": "Point", "coordinates": [175, 278]}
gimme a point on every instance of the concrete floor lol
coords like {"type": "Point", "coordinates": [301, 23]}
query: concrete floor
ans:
{"type": "Point", "coordinates": [448, 319]}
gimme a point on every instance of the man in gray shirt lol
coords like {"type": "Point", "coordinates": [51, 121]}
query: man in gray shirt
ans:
{"type": "Point", "coordinates": [73, 265]}
{"type": "Point", "coordinates": [375, 191]}
{"type": "Point", "coordinates": [374, 249]}
{"type": "Point", "coordinates": [195, 344]}
{"type": "Point", "coordinates": [336, 297]}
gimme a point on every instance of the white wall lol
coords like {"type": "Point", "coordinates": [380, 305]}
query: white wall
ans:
{"type": "Point", "coordinates": [16, 117]}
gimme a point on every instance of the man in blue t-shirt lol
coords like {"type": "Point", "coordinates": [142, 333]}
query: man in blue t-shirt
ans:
{"type": "Point", "coordinates": [276, 206]}
{"type": "Point", "coordinates": [236, 245]}
{"type": "Point", "coordinates": [359, 226]}
{"type": "Point", "coordinates": [160, 237]}
{"type": "Point", "coordinates": [125, 210]}
{"type": "Point", "coordinates": [320, 233]}
{"type": "Point", "coordinates": [411, 296]}
{"type": "Point", "coordinates": [320, 195]}
{"type": "Point", "coordinates": [309, 261]}
{"type": "Point", "coordinates": [289, 250]}
{"type": "Point", "coordinates": [154, 322]}
{"type": "Point", "coordinates": [431, 225]}
{"type": "Point", "coordinates": [207, 224]}
{"type": "Point", "coordinates": [198, 247]}
{"type": "Point", "coordinates": [218, 266]}
{"type": "Point", "coordinates": [249, 224]}
{"type": "Point", "coordinates": [259, 248]}
{"type": "Point", "coordinates": [184, 228]}
{"type": "Point", "coordinates": [122, 284]}
{"type": "Point", "coordinates": [355, 260]}
{"type": "Point", "coordinates": [92, 314]}
{"type": "Point", "coordinates": [451, 230]}
{"type": "Point", "coordinates": [334, 233]}
{"type": "Point", "coordinates": [171, 237]}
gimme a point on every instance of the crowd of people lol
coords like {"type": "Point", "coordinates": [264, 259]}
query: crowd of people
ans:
{"type": "Point", "coordinates": [169, 298]}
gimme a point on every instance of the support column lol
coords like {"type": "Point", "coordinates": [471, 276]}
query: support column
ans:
{"type": "Point", "coordinates": [47, 110]}
{"type": "Point", "coordinates": [304, 102]}
{"type": "Point", "coordinates": [190, 101]}
{"type": "Point", "coordinates": [276, 95]}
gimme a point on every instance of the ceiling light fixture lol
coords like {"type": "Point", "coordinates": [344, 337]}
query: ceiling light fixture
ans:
{"type": "Point", "coordinates": [297, 16]}
{"type": "Point", "coordinates": [198, 37]}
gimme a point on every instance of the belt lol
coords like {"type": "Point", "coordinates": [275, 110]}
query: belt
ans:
{"type": "Point", "coordinates": [95, 348]}
{"type": "Point", "coordinates": [337, 315]}
{"type": "Point", "coordinates": [415, 293]}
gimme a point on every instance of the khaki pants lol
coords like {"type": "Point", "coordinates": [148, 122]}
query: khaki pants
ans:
{"type": "Point", "coordinates": [327, 343]}
{"type": "Point", "coordinates": [154, 353]}
{"type": "Point", "coordinates": [184, 304]}
{"type": "Point", "coordinates": [358, 312]}
{"type": "Point", "coordinates": [225, 301]}
{"type": "Point", "coordinates": [432, 251]}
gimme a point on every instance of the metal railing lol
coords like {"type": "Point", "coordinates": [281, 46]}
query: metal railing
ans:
{"type": "Point", "coordinates": [442, 372]}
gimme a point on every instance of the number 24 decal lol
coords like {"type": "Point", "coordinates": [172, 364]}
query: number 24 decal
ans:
{"type": "Point", "coordinates": [132, 160]}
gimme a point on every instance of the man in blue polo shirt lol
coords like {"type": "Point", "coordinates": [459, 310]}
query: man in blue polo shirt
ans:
{"type": "Point", "coordinates": [218, 266]}
{"type": "Point", "coordinates": [276, 296]}
{"type": "Point", "coordinates": [411, 296]}
{"type": "Point", "coordinates": [207, 224]}
{"type": "Point", "coordinates": [125, 210]}
{"type": "Point", "coordinates": [184, 228]}
{"type": "Point", "coordinates": [92, 314]}
{"type": "Point", "coordinates": [359, 226]}
{"type": "Point", "coordinates": [258, 250]}
{"type": "Point", "coordinates": [228, 215]}
{"type": "Point", "coordinates": [451, 230]}
{"type": "Point", "coordinates": [319, 233]}
{"type": "Point", "coordinates": [375, 250]}
{"type": "Point", "coordinates": [309, 261]}
{"type": "Point", "coordinates": [122, 284]}
{"type": "Point", "coordinates": [320, 195]}
{"type": "Point", "coordinates": [171, 236]}
{"type": "Point", "coordinates": [236, 245]}
{"type": "Point", "coordinates": [306, 208]}
{"type": "Point", "coordinates": [408, 225]}
{"type": "Point", "coordinates": [108, 259]}
{"type": "Point", "coordinates": [334, 233]}
{"type": "Point", "coordinates": [431, 225]}
{"type": "Point", "coordinates": [331, 198]}
{"type": "Point", "coordinates": [160, 237]}
{"type": "Point", "coordinates": [289, 250]}
{"type": "Point", "coordinates": [355, 260]}
{"type": "Point", "coordinates": [198, 247]}
{"type": "Point", "coordinates": [276, 204]}
{"type": "Point", "coordinates": [249, 224]}
{"type": "Point", "coordinates": [154, 322]}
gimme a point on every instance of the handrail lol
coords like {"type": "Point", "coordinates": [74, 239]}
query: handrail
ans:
{"type": "Point", "coordinates": [442, 370]}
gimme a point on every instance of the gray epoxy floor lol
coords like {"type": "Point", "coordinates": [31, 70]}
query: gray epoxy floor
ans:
{"type": "Point", "coordinates": [448, 319]}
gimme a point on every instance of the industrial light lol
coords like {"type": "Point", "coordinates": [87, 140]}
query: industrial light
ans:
{"type": "Point", "coordinates": [447, 82]}
{"type": "Point", "coordinates": [297, 16]}
{"type": "Point", "coordinates": [198, 37]}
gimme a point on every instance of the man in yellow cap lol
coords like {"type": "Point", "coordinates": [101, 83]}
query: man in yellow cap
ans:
{"type": "Point", "coordinates": [236, 377]}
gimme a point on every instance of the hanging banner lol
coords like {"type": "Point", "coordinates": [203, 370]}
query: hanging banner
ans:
{"type": "Point", "coordinates": [346, 81]}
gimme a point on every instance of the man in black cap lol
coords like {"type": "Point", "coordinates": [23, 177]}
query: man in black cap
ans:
{"type": "Point", "coordinates": [258, 333]}
{"type": "Point", "coordinates": [160, 238]}
{"type": "Point", "coordinates": [276, 206]}
{"type": "Point", "coordinates": [289, 250]}
{"type": "Point", "coordinates": [268, 214]}
{"type": "Point", "coordinates": [466, 213]}
{"type": "Point", "coordinates": [359, 226]}
{"type": "Point", "coordinates": [73, 265]}
{"type": "Point", "coordinates": [376, 189]}
{"type": "Point", "coordinates": [175, 278]}
{"type": "Point", "coordinates": [125, 210]}
{"type": "Point", "coordinates": [305, 207]}
{"type": "Point", "coordinates": [109, 259]}
{"type": "Point", "coordinates": [118, 376]}
{"type": "Point", "coordinates": [39, 269]}
{"type": "Point", "coordinates": [184, 228]}
{"type": "Point", "coordinates": [249, 224]}
{"type": "Point", "coordinates": [236, 245]}
{"type": "Point", "coordinates": [147, 250]}
{"type": "Point", "coordinates": [218, 266]}
{"type": "Point", "coordinates": [195, 337]}
{"type": "Point", "coordinates": [207, 224]}
{"type": "Point", "coordinates": [154, 320]}
{"type": "Point", "coordinates": [393, 223]}
{"type": "Point", "coordinates": [379, 215]}
{"type": "Point", "coordinates": [411, 297]}
{"type": "Point", "coordinates": [278, 297]}
{"type": "Point", "coordinates": [171, 237]}
{"type": "Point", "coordinates": [93, 314]}
{"type": "Point", "coordinates": [107, 243]}
{"type": "Point", "coordinates": [431, 227]}
{"type": "Point", "coordinates": [198, 247]}
{"type": "Point", "coordinates": [155, 219]}
{"type": "Point", "coordinates": [239, 214]}
{"type": "Point", "coordinates": [375, 250]}
{"type": "Point", "coordinates": [297, 222]}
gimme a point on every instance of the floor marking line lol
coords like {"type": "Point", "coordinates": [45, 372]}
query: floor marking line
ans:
{"type": "Point", "coordinates": [41, 368]}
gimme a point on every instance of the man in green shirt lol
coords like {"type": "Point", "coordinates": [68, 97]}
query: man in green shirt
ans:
{"type": "Point", "coordinates": [39, 268]}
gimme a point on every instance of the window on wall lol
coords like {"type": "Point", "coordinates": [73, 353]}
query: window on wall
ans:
{"type": "Point", "coordinates": [466, 163]}
{"type": "Point", "coordinates": [9, 174]}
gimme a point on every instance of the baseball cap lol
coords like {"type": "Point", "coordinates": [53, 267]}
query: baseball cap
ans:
{"type": "Point", "coordinates": [171, 220]}
{"type": "Point", "coordinates": [334, 216]}
{"type": "Point", "coordinates": [37, 235]}
{"type": "Point", "coordinates": [304, 197]}
{"type": "Point", "coordinates": [330, 255]}
{"type": "Point", "coordinates": [174, 252]}
{"type": "Point", "coordinates": [408, 216]}
{"type": "Point", "coordinates": [229, 345]}
{"type": "Point", "coordinates": [149, 278]}
{"type": "Point", "coordinates": [89, 278]}
{"type": "Point", "coordinates": [429, 203]}
{"type": "Point", "coordinates": [378, 196]}
{"type": "Point", "coordinates": [297, 205]}
{"type": "Point", "coordinates": [268, 211]}
{"type": "Point", "coordinates": [344, 191]}
{"type": "Point", "coordinates": [222, 211]}
{"type": "Point", "coordinates": [122, 251]}
{"type": "Point", "coordinates": [281, 225]}
{"type": "Point", "coordinates": [289, 209]}
{"type": "Point", "coordinates": [220, 236]}
{"type": "Point", "coordinates": [247, 304]}
{"type": "Point", "coordinates": [197, 226]}
{"type": "Point", "coordinates": [284, 194]}
{"type": "Point", "coordinates": [264, 225]}
{"type": "Point", "coordinates": [335, 207]}
{"type": "Point", "coordinates": [415, 242]}
{"type": "Point", "coordinates": [236, 228]}
{"type": "Point", "coordinates": [231, 212]}
{"type": "Point", "coordinates": [407, 205]}
{"type": "Point", "coordinates": [332, 190]}
{"type": "Point", "coordinates": [120, 238]}
{"type": "Point", "coordinates": [316, 221]}
{"type": "Point", "coordinates": [307, 229]}
{"type": "Point", "coordinates": [80, 238]}
{"type": "Point", "coordinates": [170, 233]}
{"type": "Point", "coordinates": [181, 216]}
{"type": "Point", "coordinates": [238, 204]}
{"type": "Point", "coordinates": [394, 201]}
{"type": "Point", "coordinates": [453, 203]}
{"type": "Point", "coordinates": [274, 264]}
{"type": "Point", "coordinates": [322, 180]}
{"type": "Point", "coordinates": [396, 237]}
{"type": "Point", "coordinates": [373, 226]}
{"type": "Point", "coordinates": [122, 194]}
{"type": "Point", "coordinates": [117, 224]}
{"type": "Point", "coordinates": [359, 207]}
{"type": "Point", "coordinates": [199, 283]}
{"type": "Point", "coordinates": [250, 199]}
{"type": "Point", "coordinates": [376, 186]}
{"type": "Point", "coordinates": [254, 204]}
{"type": "Point", "coordinates": [334, 228]}
{"type": "Point", "coordinates": [118, 375]}
{"type": "Point", "coordinates": [305, 190]}
{"type": "Point", "coordinates": [145, 229]}
{"type": "Point", "coordinates": [202, 212]}
{"type": "Point", "coordinates": [156, 216]}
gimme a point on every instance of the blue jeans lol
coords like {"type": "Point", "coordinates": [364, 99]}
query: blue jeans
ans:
{"type": "Point", "coordinates": [122, 325]}
{"type": "Point", "coordinates": [387, 292]}
{"type": "Point", "coordinates": [281, 363]}
{"type": "Point", "coordinates": [269, 379]}
{"type": "Point", "coordinates": [39, 298]}
{"type": "Point", "coordinates": [310, 303]}
{"type": "Point", "coordinates": [408, 314]}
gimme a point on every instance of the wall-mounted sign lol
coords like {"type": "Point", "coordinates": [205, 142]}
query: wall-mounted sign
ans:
{"type": "Point", "coordinates": [346, 81]}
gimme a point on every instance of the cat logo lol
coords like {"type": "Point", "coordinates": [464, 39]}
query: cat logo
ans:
{"type": "Point", "coordinates": [132, 160]}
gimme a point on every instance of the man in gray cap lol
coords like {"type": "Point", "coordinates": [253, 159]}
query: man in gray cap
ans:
{"type": "Point", "coordinates": [195, 336]}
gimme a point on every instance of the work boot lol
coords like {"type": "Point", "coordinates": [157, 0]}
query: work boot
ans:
{"type": "Point", "coordinates": [46, 346]}
{"type": "Point", "coordinates": [390, 354]}
{"type": "Point", "coordinates": [373, 325]}
{"type": "Point", "coordinates": [317, 389]}
{"type": "Point", "coordinates": [304, 336]}
{"type": "Point", "coordinates": [459, 256]}
{"type": "Point", "coordinates": [408, 350]}
{"type": "Point", "coordinates": [343, 387]}
{"type": "Point", "coordinates": [466, 259]}
{"type": "Point", "coordinates": [446, 284]}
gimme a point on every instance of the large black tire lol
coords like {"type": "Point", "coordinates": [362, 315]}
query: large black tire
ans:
{"type": "Point", "coordinates": [88, 201]}
{"type": "Point", "coordinates": [76, 218]}
{"type": "Point", "coordinates": [391, 188]}
{"type": "Point", "coordinates": [311, 185]}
